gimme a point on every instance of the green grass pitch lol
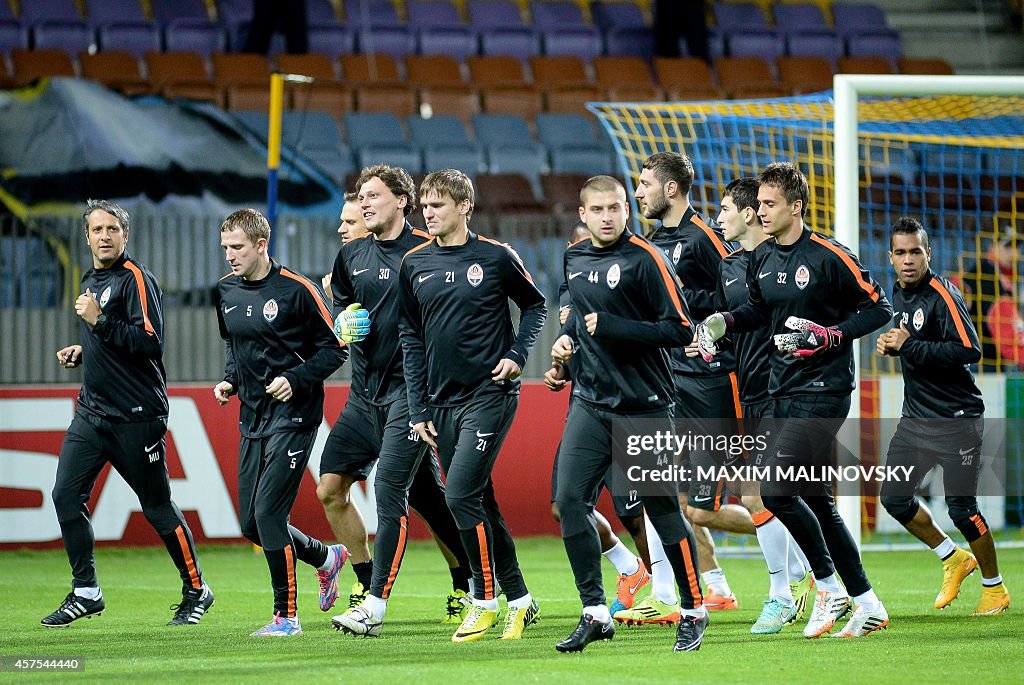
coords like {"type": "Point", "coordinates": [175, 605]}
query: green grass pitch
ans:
{"type": "Point", "coordinates": [130, 643]}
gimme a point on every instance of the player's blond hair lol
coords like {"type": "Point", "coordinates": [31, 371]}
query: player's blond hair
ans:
{"type": "Point", "coordinates": [251, 221]}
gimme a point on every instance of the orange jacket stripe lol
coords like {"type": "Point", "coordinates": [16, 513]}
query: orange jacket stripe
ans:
{"type": "Point", "coordinates": [850, 264]}
{"type": "Point", "coordinates": [670, 282]}
{"type": "Point", "coordinates": [141, 285]}
{"type": "Point", "coordinates": [715, 240]}
{"type": "Point", "coordinates": [321, 305]}
{"type": "Point", "coordinates": [190, 563]}
{"type": "Point", "coordinates": [957, 321]}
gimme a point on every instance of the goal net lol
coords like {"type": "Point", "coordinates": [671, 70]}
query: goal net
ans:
{"type": "Point", "coordinates": [951, 160]}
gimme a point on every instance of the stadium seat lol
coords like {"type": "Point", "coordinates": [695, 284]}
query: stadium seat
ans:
{"type": "Point", "coordinates": [562, 195]}
{"type": "Point", "coordinates": [369, 68]}
{"type": "Point", "coordinates": [423, 13]}
{"type": "Point", "coordinates": [460, 102]}
{"type": "Point", "coordinates": [166, 11]}
{"type": "Point", "coordinates": [137, 38]}
{"type": "Point", "coordinates": [103, 12]}
{"type": "Point", "coordinates": [191, 34]}
{"type": "Point", "coordinates": [115, 69]}
{"type": "Point", "coordinates": [182, 75]}
{"type": "Point", "coordinates": [331, 40]}
{"type": "Point", "coordinates": [814, 43]}
{"type": "Point", "coordinates": [35, 11]}
{"type": "Point", "coordinates": [552, 72]}
{"type": "Point", "coordinates": [800, 16]}
{"type": "Point", "coordinates": [523, 101]}
{"type": "Point", "coordinates": [506, 193]}
{"type": "Point", "coordinates": [626, 78]}
{"type": "Point", "coordinates": [572, 100]}
{"type": "Point", "coordinates": [564, 31]}
{"type": "Point", "coordinates": [32, 65]}
{"type": "Point", "coordinates": [445, 143]}
{"type": "Point", "coordinates": [399, 99]}
{"type": "Point", "coordinates": [325, 94]}
{"type": "Point", "coordinates": [572, 145]}
{"type": "Point", "coordinates": [496, 71]}
{"type": "Point", "coordinates": [396, 41]}
{"type": "Point", "coordinates": [458, 41]}
{"type": "Point", "coordinates": [509, 146]}
{"type": "Point", "coordinates": [856, 17]}
{"type": "Point", "coordinates": [740, 16]}
{"type": "Point", "coordinates": [71, 36]}
{"type": "Point", "coordinates": [379, 13]}
{"type": "Point", "coordinates": [433, 70]}
{"type": "Point", "coordinates": [12, 35]}
{"type": "Point", "coordinates": [925, 66]}
{"type": "Point", "coordinates": [686, 78]}
{"type": "Point", "coordinates": [441, 86]}
{"type": "Point", "coordinates": [315, 135]}
{"type": "Point", "coordinates": [379, 138]}
{"type": "Point", "coordinates": [766, 45]}
{"type": "Point", "coordinates": [747, 77]}
{"type": "Point", "coordinates": [864, 65]}
{"type": "Point", "coordinates": [235, 15]}
{"type": "Point", "coordinates": [624, 28]}
{"type": "Point", "coordinates": [321, 13]}
{"type": "Point", "coordinates": [519, 42]}
{"type": "Point", "coordinates": [800, 75]}
{"type": "Point", "coordinates": [887, 44]}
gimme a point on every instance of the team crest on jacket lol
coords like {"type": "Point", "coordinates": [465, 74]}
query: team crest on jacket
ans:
{"type": "Point", "coordinates": [475, 275]}
{"type": "Point", "coordinates": [270, 311]}
{"type": "Point", "coordinates": [105, 296]}
{"type": "Point", "coordinates": [918, 319]}
{"type": "Point", "coordinates": [676, 254]}
{"type": "Point", "coordinates": [614, 274]}
{"type": "Point", "coordinates": [803, 276]}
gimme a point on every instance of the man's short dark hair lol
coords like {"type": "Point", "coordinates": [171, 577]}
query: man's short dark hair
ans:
{"type": "Point", "coordinates": [743, 192]}
{"type": "Point", "coordinates": [908, 225]}
{"type": "Point", "coordinates": [788, 179]}
{"type": "Point", "coordinates": [397, 179]}
{"type": "Point", "coordinates": [352, 196]}
{"type": "Point", "coordinates": [671, 166]}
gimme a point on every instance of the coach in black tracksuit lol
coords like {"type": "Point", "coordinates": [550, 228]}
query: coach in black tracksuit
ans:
{"type": "Point", "coordinates": [627, 307]}
{"type": "Point", "coordinates": [805, 275]}
{"type": "Point", "coordinates": [121, 416]}
{"type": "Point", "coordinates": [942, 408]}
{"type": "Point", "coordinates": [280, 346]}
{"type": "Point", "coordinates": [463, 358]}
{"type": "Point", "coordinates": [366, 271]}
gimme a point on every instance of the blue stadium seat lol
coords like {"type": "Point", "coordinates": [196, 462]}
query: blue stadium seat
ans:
{"type": "Point", "coordinates": [585, 43]}
{"type": "Point", "coordinates": [73, 36]}
{"type": "Point", "coordinates": [236, 15]}
{"type": "Point", "coordinates": [372, 13]}
{"type": "Point", "coordinates": [849, 17]}
{"type": "Point", "coordinates": [519, 42]}
{"type": "Point", "coordinates": [320, 13]}
{"type": "Point", "coordinates": [494, 14]}
{"type": "Point", "coordinates": [35, 11]}
{"type": "Point", "coordinates": [457, 41]}
{"type": "Point", "coordinates": [331, 40]}
{"type": "Point", "coordinates": [813, 43]}
{"type": "Point", "coordinates": [136, 37]}
{"type": "Point", "coordinates": [792, 17]}
{"type": "Point", "coordinates": [197, 35]}
{"type": "Point", "coordinates": [424, 13]}
{"type": "Point", "coordinates": [625, 31]}
{"type": "Point", "coordinates": [165, 11]}
{"type": "Point", "coordinates": [100, 12]}
{"type": "Point", "coordinates": [438, 131]}
{"type": "Point", "coordinates": [396, 41]}
{"type": "Point", "coordinates": [510, 147]}
{"type": "Point", "coordinates": [12, 35]}
{"type": "Point", "coordinates": [367, 133]}
{"type": "Point", "coordinates": [886, 43]}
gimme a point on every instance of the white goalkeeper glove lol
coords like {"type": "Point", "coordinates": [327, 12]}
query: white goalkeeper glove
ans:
{"type": "Point", "coordinates": [810, 338]}
{"type": "Point", "coordinates": [708, 333]}
{"type": "Point", "coordinates": [353, 324]}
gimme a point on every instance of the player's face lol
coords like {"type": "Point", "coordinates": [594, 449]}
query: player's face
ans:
{"type": "Point", "coordinates": [380, 207]}
{"type": "Point", "coordinates": [732, 220]}
{"type": "Point", "coordinates": [352, 225]}
{"type": "Point", "coordinates": [244, 256]}
{"type": "Point", "coordinates": [106, 238]}
{"type": "Point", "coordinates": [650, 195]}
{"type": "Point", "coordinates": [442, 216]}
{"type": "Point", "coordinates": [605, 214]}
{"type": "Point", "coordinates": [910, 258]}
{"type": "Point", "coordinates": [777, 216]}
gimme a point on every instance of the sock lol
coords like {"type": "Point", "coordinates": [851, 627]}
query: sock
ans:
{"type": "Point", "coordinates": [985, 582]}
{"type": "Point", "coordinates": [624, 561]}
{"type": "Point", "coordinates": [796, 560]}
{"type": "Point", "coordinates": [489, 604]}
{"type": "Point", "coordinates": [774, 541]}
{"type": "Point", "coordinates": [94, 593]}
{"type": "Point", "coordinates": [598, 613]}
{"type": "Point", "coordinates": [869, 600]}
{"type": "Point", "coordinates": [332, 556]}
{"type": "Point", "coordinates": [944, 549]}
{"type": "Point", "coordinates": [694, 613]}
{"type": "Point", "coordinates": [663, 581]}
{"type": "Point", "coordinates": [829, 584]}
{"type": "Point", "coordinates": [460, 581]}
{"type": "Point", "coordinates": [716, 582]}
{"type": "Point", "coordinates": [521, 603]}
{"type": "Point", "coordinates": [376, 606]}
{"type": "Point", "coordinates": [363, 570]}
{"type": "Point", "coordinates": [472, 585]}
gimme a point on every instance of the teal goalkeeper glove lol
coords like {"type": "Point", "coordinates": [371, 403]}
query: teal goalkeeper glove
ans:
{"type": "Point", "coordinates": [353, 324]}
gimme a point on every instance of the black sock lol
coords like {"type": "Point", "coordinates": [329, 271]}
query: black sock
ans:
{"type": "Point", "coordinates": [364, 572]}
{"type": "Point", "coordinates": [460, 581]}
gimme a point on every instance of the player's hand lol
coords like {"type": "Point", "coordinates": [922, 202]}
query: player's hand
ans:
{"type": "Point", "coordinates": [891, 343]}
{"type": "Point", "coordinates": [591, 321]}
{"type": "Point", "coordinates": [427, 432]}
{"type": "Point", "coordinates": [692, 350]}
{"type": "Point", "coordinates": [280, 389]}
{"type": "Point", "coordinates": [506, 370]}
{"type": "Point", "coordinates": [69, 357]}
{"type": "Point", "coordinates": [88, 307]}
{"type": "Point", "coordinates": [554, 378]}
{"type": "Point", "coordinates": [563, 315]}
{"type": "Point", "coordinates": [562, 350]}
{"type": "Point", "coordinates": [326, 283]}
{"type": "Point", "coordinates": [222, 392]}
{"type": "Point", "coordinates": [810, 339]}
{"type": "Point", "coordinates": [353, 324]}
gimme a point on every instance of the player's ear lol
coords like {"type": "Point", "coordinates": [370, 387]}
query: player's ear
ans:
{"type": "Point", "coordinates": [583, 215]}
{"type": "Point", "coordinates": [465, 207]}
{"type": "Point", "coordinates": [671, 188]}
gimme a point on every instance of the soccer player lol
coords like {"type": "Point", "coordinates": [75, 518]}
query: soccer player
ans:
{"type": "Point", "coordinates": [942, 416]}
{"type": "Point", "coordinates": [350, 227]}
{"type": "Point", "coordinates": [740, 224]}
{"type": "Point", "coordinates": [705, 393]}
{"type": "Point", "coordinates": [463, 359]}
{"type": "Point", "coordinates": [121, 418]}
{"type": "Point", "coordinates": [633, 569]}
{"type": "Point", "coordinates": [627, 308]}
{"type": "Point", "coordinates": [280, 347]}
{"type": "Point", "coordinates": [374, 426]}
{"type": "Point", "coordinates": [816, 298]}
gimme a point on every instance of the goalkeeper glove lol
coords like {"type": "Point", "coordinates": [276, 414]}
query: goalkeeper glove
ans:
{"type": "Point", "coordinates": [353, 324]}
{"type": "Point", "coordinates": [810, 339]}
{"type": "Point", "coordinates": [708, 333]}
